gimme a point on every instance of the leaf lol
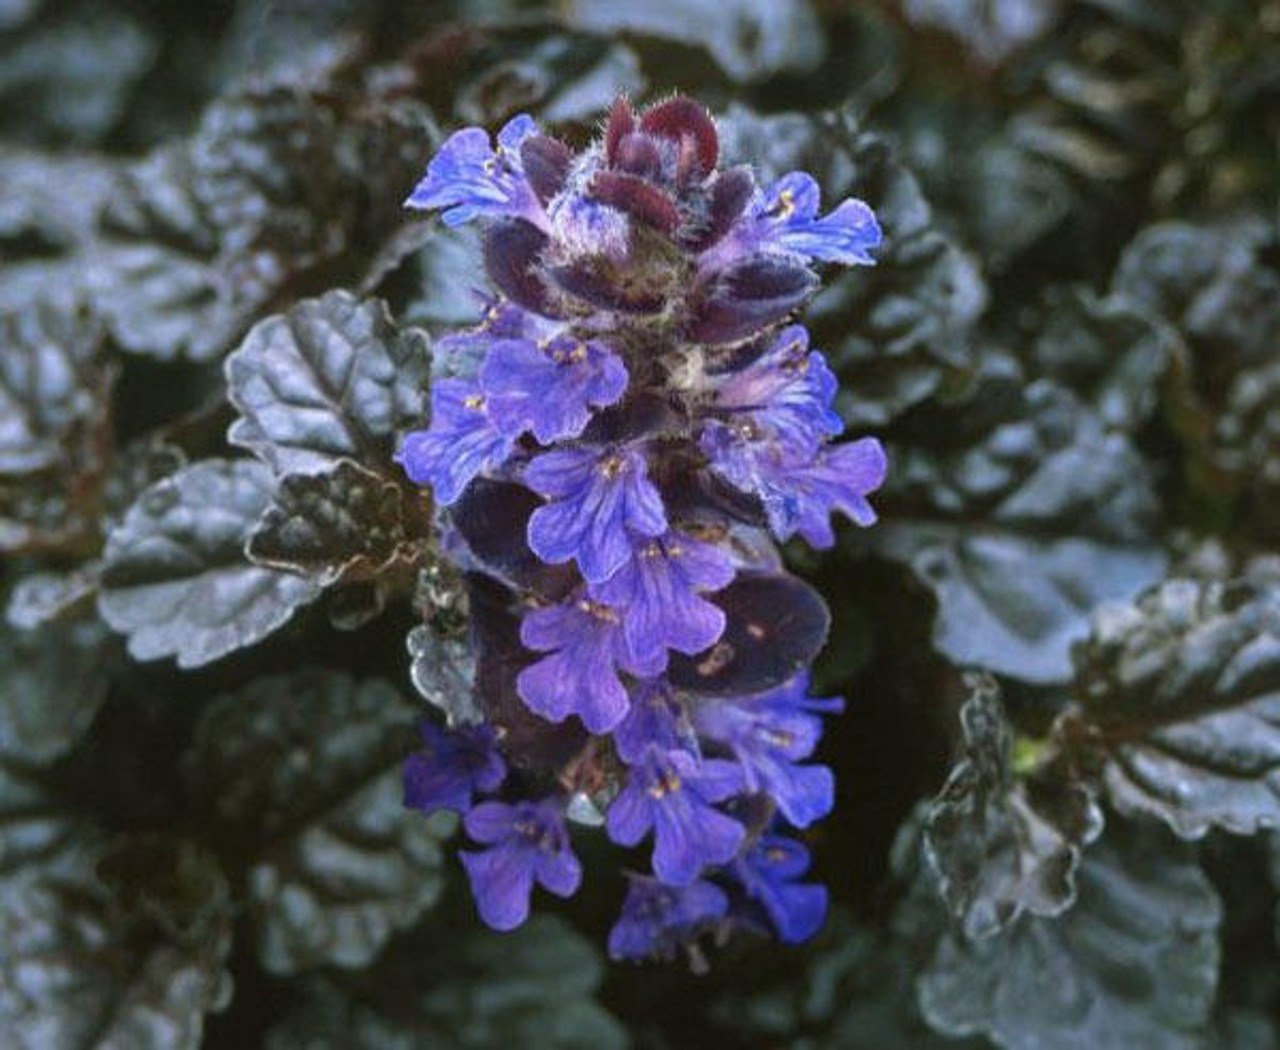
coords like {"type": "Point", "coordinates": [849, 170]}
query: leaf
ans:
{"type": "Point", "coordinates": [1179, 703]}
{"type": "Point", "coordinates": [1133, 963]}
{"type": "Point", "coordinates": [897, 333]}
{"type": "Point", "coordinates": [1020, 512]}
{"type": "Point", "coordinates": [331, 378]}
{"type": "Point", "coordinates": [55, 679]}
{"type": "Point", "coordinates": [345, 524]}
{"type": "Point", "coordinates": [175, 578]}
{"type": "Point", "coordinates": [992, 31]}
{"type": "Point", "coordinates": [54, 426]}
{"type": "Point", "coordinates": [1002, 843]}
{"type": "Point", "coordinates": [37, 834]}
{"type": "Point", "coordinates": [125, 952]}
{"type": "Point", "coordinates": [301, 775]}
{"type": "Point", "coordinates": [750, 39]}
{"type": "Point", "coordinates": [531, 987]}
{"type": "Point", "coordinates": [69, 78]}
{"type": "Point", "coordinates": [280, 184]}
{"type": "Point", "coordinates": [1113, 350]}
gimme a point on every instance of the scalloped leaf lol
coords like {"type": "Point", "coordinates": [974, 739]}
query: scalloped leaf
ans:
{"type": "Point", "coordinates": [331, 378]}
{"type": "Point", "coordinates": [1133, 963]}
{"type": "Point", "coordinates": [175, 577]}
{"type": "Point", "coordinates": [1179, 702]}
{"type": "Point", "coordinates": [301, 773]}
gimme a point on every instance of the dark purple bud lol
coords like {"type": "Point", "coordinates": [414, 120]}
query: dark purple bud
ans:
{"type": "Point", "coordinates": [750, 295]}
{"type": "Point", "coordinates": [681, 118]}
{"type": "Point", "coordinates": [639, 199]}
{"type": "Point", "coordinates": [729, 196]}
{"type": "Point", "coordinates": [774, 627]}
{"type": "Point", "coordinates": [622, 121]}
{"type": "Point", "coordinates": [493, 518]}
{"type": "Point", "coordinates": [584, 282]}
{"type": "Point", "coordinates": [639, 155]}
{"type": "Point", "coordinates": [511, 250]}
{"type": "Point", "coordinates": [546, 164]}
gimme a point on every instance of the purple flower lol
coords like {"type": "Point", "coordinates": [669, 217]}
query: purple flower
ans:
{"type": "Point", "coordinates": [465, 351]}
{"type": "Point", "coordinates": [672, 793]}
{"type": "Point", "coordinates": [784, 218]}
{"type": "Point", "coordinates": [469, 177]}
{"type": "Point", "coordinates": [658, 719]}
{"type": "Point", "coordinates": [656, 918]}
{"type": "Point", "coordinates": [461, 442]}
{"type": "Point", "coordinates": [587, 645]}
{"type": "Point", "coordinates": [454, 764]}
{"type": "Point", "coordinates": [658, 588]}
{"type": "Point", "coordinates": [598, 500]}
{"type": "Point", "coordinates": [768, 734]}
{"type": "Point", "coordinates": [527, 843]}
{"type": "Point", "coordinates": [799, 493]}
{"type": "Point", "coordinates": [768, 871]}
{"type": "Point", "coordinates": [786, 392]}
{"type": "Point", "coordinates": [550, 388]}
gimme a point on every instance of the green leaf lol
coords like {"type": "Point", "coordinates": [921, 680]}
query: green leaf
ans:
{"type": "Point", "coordinates": [301, 776]}
{"type": "Point", "coordinates": [1133, 963]}
{"type": "Point", "coordinates": [37, 835]}
{"type": "Point", "coordinates": [175, 578]}
{"type": "Point", "coordinates": [1179, 702]}
{"type": "Point", "coordinates": [1001, 843]}
{"type": "Point", "coordinates": [532, 987]}
{"type": "Point", "coordinates": [124, 951]}
{"type": "Point", "coordinates": [332, 378]}
{"type": "Point", "coordinates": [345, 524]}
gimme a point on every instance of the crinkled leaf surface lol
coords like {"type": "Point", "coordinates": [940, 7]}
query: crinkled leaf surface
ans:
{"type": "Point", "coordinates": [532, 987]}
{"type": "Point", "coordinates": [999, 843]}
{"type": "Point", "coordinates": [750, 39]}
{"type": "Point", "coordinates": [1179, 697]}
{"type": "Point", "coordinates": [1133, 963]}
{"type": "Point", "coordinates": [331, 378]}
{"type": "Point", "coordinates": [1024, 520]}
{"type": "Point", "coordinates": [301, 774]}
{"type": "Point", "coordinates": [344, 524]}
{"type": "Point", "coordinates": [123, 951]}
{"type": "Point", "coordinates": [37, 834]}
{"type": "Point", "coordinates": [54, 386]}
{"type": "Point", "coordinates": [175, 577]}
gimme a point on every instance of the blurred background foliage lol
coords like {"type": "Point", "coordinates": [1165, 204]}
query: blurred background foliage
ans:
{"type": "Point", "coordinates": [1061, 647]}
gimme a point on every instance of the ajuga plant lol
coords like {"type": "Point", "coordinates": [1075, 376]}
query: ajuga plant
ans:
{"type": "Point", "coordinates": [614, 451]}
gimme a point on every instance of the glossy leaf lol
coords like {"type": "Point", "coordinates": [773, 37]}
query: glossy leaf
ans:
{"type": "Point", "coordinates": [175, 577]}
{"type": "Point", "coordinates": [302, 774]}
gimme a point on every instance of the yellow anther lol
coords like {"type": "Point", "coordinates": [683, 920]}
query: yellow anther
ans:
{"type": "Point", "coordinates": [475, 402]}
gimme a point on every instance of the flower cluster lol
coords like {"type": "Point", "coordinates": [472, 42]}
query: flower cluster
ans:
{"type": "Point", "coordinates": [614, 451]}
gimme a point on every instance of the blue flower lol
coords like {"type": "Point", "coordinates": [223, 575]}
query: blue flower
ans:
{"type": "Point", "coordinates": [799, 492]}
{"type": "Point", "coordinates": [784, 218]}
{"type": "Point", "coordinates": [527, 843]}
{"type": "Point", "coordinates": [655, 918]}
{"type": "Point", "coordinates": [599, 499]}
{"type": "Point", "coordinates": [787, 393]}
{"type": "Point", "coordinates": [460, 443]}
{"type": "Point", "coordinates": [469, 177]}
{"type": "Point", "coordinates": [550, 389]}
{"type": "Point", "coordinates": [657, 718]}
{"type": "Point", "coordinates": [672, 794]}
{"type": "Point", "coordinates": [768, 871]}
{"type": "Point", "coordinates": [580, 676]}
{"type": "Point", "coordinates": [768, 734]}
{"type": "Point", "coordinates": [658, 589]}
{"type": "Point", "coordinates": [454, 765]}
